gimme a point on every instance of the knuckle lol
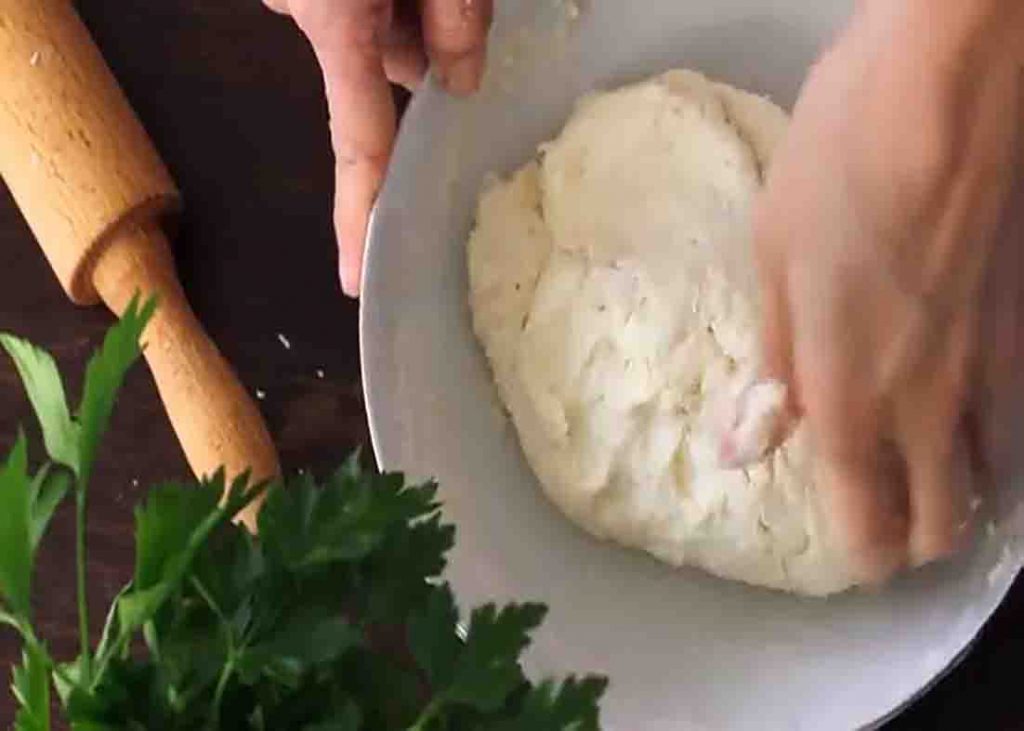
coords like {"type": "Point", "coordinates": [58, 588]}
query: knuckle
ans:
{"type": "Point", "coordinates": [932, 161]}
{"type": "Point", "coordinates": [931, 158]}
{"type": "Point", "coordinates": [359, 24]}
{"type": "Point", "coordinates": [451, 48]}
{"type": "Point", "coordinates": [366, 32]}
{"type": "Point", "coordinates": [349, 155]}
{"type": "Point", "coordinates": [871, 511]}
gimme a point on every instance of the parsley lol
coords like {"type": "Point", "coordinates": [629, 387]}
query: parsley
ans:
{"type": "Point", "coordinates": [333, 618]}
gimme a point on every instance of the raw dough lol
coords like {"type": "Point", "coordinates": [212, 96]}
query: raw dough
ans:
{"type": "Point", "coordinates": [611, 285]}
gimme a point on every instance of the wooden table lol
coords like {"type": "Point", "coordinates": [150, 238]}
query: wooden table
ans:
{"type": "Point", "coordinates": [232, 96]}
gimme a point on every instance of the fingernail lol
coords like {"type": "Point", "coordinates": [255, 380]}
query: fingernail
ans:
{"type": "Point", "coordinates": [278, 6]}
{"type": "Point", "coordinates": [349, 282]}
{"type": "Point", "coordinates": [929, 548]}
{"type": "Point", "coordinates": [463, 76]}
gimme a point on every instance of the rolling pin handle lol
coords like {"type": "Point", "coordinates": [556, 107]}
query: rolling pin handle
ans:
{"type": "Point", "coordinates": [217, 422]}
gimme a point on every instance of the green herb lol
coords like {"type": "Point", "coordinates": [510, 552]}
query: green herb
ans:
{"type": "Point", "coordinates": [333, 618]}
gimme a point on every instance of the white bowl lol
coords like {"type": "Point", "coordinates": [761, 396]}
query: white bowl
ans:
{"type": "Point", "coordinates": [683, 650]}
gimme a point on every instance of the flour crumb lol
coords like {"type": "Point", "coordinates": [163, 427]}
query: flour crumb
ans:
{"type": "Point", "coordinates": [35, 58]}
{"type": "Point", "coordinates": [975, 504]}
{"type": "Point", "coordinates": [285, 342]}
{"type": "Point", "coordinates": [260, 394]}
{"type": "Point", "coordinates": [135, 482]}
{"type": "Point", "coordinates": [572, 9]}
{"type": "Point", "coordinates": [320, 373]}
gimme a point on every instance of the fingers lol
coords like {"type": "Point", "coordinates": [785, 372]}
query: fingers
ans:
{"type": "Point", "coordinates": [776, 331]}
{"type": "Point", "coordinates": [929, 423]}
{"type": "Point", "coordinates": [348, 41]}
{"type": "Point", "coordinates": [867, 499]}
{"type": "Point", "coordinates": [1000, 379]}
{"type": "Point", "coordinates": [896, 467]}
{"type": "Point", "coordinates": [777, 351]}
{"type": "Point", "coordinates": [761, 415]}
{"type": "Point", "coordinates": [455, 32]}
{"type": "Point", "coordinates": [405, 60]}
{"type": "Point", "coordinates": [770, 238]}
{"type": "Point", "coordinates": [940, 489]}
{"type": "Point", "coordinates": [859, 473]}
{"type": "Point", "coordinates": [859, 467]}
{"type": "Point", "coordinates": [278, 6]}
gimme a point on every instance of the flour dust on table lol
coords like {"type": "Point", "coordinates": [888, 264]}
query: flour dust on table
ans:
{"type": "Point", "coordinates": [613, 290]}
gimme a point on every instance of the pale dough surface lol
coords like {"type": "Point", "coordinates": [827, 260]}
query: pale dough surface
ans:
{"type": "Point", "coordinates": [612, 288]}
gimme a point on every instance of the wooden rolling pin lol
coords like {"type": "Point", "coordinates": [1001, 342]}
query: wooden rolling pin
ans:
{"type": "Point", "coordinates": [94, 190]}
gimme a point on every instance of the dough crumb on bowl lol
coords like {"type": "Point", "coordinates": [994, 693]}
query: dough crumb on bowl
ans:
{"type": "Point", "coordinates": [612, 288]}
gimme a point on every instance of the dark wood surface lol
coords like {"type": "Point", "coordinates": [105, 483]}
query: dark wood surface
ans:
{"type": "Point", "coordinates": [233, 99]}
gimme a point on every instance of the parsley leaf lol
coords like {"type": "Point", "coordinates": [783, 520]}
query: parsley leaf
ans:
{"type": "Point", "coordinates": [481, 672]}
{"type": "Point", "coordinates": [332, 618]}
{"type": "Point", "coordinates": [165, 522]}
{"type": "Point", "coordinates": [171, 528]}
{"type": "Point", "coordinates": [572, 706]}
{"type": "Point", "coordinates": [74, 442]}
{"type": "Point", "coordinates": [16, 531]}
{"type": "Point", "coordinates": [45, 390]}
{"type": "Point", "coordinates": [488, 669]}
{"type": "Point", "coordinates": [432, 637]}
{"type": "Point", "coordinates": [26, 506]}
{"type": "Point", "coordinates": [46, 492]}
{"type": "Point", "coordinates": [305, 526]}
{"type": "Point", "coordinates": [103, 378]}
{"type": "Point", "coordinates": [394, 579]}
{"type": "Point", "coordinates": [306, 637]}
{"type": "Point", "coordinates": [347, 718]}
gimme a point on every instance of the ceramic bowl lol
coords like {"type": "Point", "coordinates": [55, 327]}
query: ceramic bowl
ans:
{"type": "Point", "coordinates": [683, 650]}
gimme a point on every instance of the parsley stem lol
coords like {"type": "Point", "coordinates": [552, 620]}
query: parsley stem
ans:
{"type": "Point", "coordinates": [83, 600]}
{"type": "Point", "coordinates": [11, 620]}
{"type": "Point", "coordinates": [432, 709]}
{"type": "Point", "coordinates": [60, 672]}
{"type": "Point", "coordinates": [229, 664]}
{"type": "Point", "coordinates": [22, 626]}
{"type": "Point", "coordinates": [218, 694]}
{"type": "Point", "coordinates": [115, 650]}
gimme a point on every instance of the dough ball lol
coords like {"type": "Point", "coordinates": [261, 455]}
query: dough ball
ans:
{"type": "Point", "coordinates": [612, 288]}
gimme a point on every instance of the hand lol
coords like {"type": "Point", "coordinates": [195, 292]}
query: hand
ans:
{"type": "Point", "coordinates": [361, 45]}
{"type": "Point", "coordinates": [873, 238]}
